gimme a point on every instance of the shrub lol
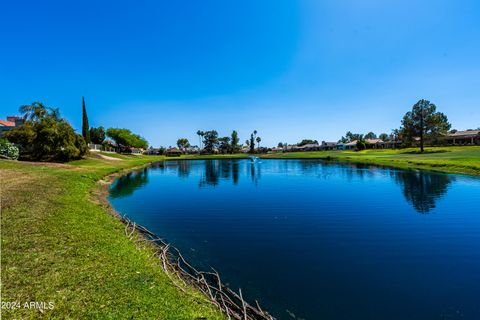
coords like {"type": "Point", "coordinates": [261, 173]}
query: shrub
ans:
{"type": "Point", "coordinates": [8, 150]}
{"type": "Point", "coordinates": [48, 139]}
{"type": "Point", "coordinates": [361, 145]}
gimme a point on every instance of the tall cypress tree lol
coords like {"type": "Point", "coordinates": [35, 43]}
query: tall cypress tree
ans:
{"type": "Point", "coordinates": [85, 126]}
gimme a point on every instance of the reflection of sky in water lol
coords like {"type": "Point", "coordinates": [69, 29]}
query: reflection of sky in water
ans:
{"type": "Point", "coordinates": [351, 233]}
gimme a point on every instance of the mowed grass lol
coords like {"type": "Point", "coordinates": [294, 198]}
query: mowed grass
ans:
{"type": "Point", "coordinates": [445, 159]}
{"type": "Point", "coordinates": [60, 246]}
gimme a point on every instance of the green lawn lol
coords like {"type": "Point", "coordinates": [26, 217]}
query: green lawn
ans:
{"type": "Point", "coordinates": [59, 246]}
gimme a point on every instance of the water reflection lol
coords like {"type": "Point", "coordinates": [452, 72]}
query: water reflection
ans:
{"type": "Point", "coordinates": [421, 189]}
{"type": "Point", "coordinates": [127, 184]}
{"type": "Point", "coordinates": [211, 176]}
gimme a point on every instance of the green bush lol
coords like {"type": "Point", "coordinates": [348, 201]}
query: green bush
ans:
{"type": "Point", "coordinates": [48, 139]}
{"type": "Point", "coordinates": [8, 150]}
{"type": "Point", "coordinates": [361, 145]}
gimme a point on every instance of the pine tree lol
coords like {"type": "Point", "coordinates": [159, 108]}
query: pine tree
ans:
{"type": "Point", "coordinates": [85, 126]}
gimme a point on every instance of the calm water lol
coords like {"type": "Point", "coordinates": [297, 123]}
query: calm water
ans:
{"type": "Point", "coordinates": [318, 240]}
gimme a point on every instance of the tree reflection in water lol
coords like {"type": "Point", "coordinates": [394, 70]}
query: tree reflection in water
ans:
{"type": "Point", "coordinates": [422, 189]}
{"type": "Point", "coordinates": [220, 169]}
{"type": "Point", "coordinates": [127, 184]}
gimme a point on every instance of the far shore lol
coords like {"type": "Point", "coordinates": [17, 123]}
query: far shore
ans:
{"type": "Point", "coordinates": [464, 160]}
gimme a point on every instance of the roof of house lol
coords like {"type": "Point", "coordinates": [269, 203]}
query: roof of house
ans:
{"type": "Point", "coordinates": [373, 141]}
{"type": "Point", "coordinates": [352, 143]}
{"type": "Point", "coordinates": [6, 123]}
{"type": "Point", "coordinates": [309, 145]}
{"type": "Point", "coordinates": [325, 143]}
{"type": "Point", "coordinates": [464, 133]}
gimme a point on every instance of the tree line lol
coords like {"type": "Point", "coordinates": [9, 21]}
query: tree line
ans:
{"type": "Point", "coordinates": [210, 142]}
{"type": "Point", "coordinates": [46, 136]}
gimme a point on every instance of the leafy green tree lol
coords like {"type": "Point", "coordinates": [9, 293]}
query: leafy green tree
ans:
{"type": "Point", "coordinates": [97, 135]}
{"type": "Point", "coordinates": [85, 126]}
{"type": "Point", "coordinates": [235, 147]}
{"type": "Point", "coordinates": [280, 145]}
{"type": "Point", "coordinates": [370, 135]}
{"type": "Point", "coordinates": [46, 136]}
{"type": "Point", "coordinates": [349, 137]}
{"type": "Point", "coordinates": [124, 137]}
{"type": "Point", "coordinates": [424, 122]}
{"type": "Point", "coordinates": [396, 134]}
{"type": "Point", "coordinates": [307, 141]}
{"type": "Point", "coordinates": [183, 143]}
{"type": "Point", "coordinates": [210, 141]}
{"type": "Point", "coordinates": [361, 145]}
{"type": "Point", "coordinates": [224, 145]}
{"type": "Point", "coordinates": [383, 137]}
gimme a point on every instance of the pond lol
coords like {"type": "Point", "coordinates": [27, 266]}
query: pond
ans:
{"type": "Point", "coordinates": [312, 239]}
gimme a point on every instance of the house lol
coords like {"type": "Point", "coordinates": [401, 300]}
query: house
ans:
{"type": "Point", "coordinates": [328, 146]}
{"type": "Point", "coordinates": [307, 147]}
{"type": "Point", "coordinates": [346, 146]}
{"type": "Point", "coordinates": [152, 151]}
{"type": "Point", "coordinates": [137, 151]}
{"type": "Point", "coordinates": [467, 137]}
{"type": "Point", "coordinates": [374, 143]}
{"type": "Point", "coordinates": [9, 124]}
{"type": "Point", "coordinates": [191, 150]}
{"type": "Point", "coordinates": [245, 149]}
{"type": "Point", "coordinates": [173, 152]}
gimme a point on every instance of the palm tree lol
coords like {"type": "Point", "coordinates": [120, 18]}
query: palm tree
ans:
{"type": "Point", "coordinates": [54, 113]}
{"type": "Point", "coordinates": [34, 111]}
{"type": "Point", "coordinates": [200, 136]}
{"type": "Point", "coordinates": [258, 141]}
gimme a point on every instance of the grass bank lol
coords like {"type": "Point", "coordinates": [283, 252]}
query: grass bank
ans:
{"type": "Point", "coordinates": [58, 246]}
{"type": "Point", "coordinates": [464, 160]}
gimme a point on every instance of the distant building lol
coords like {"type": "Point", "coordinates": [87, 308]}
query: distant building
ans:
{"type": "Point", "coordinates": [307, 147]}
{"type": "Point", "coordinates": [467, 137]}
{"type": "Point", "coordinates": [346, 146]}
{"type": "Point", "coordinates": [328, 145]}
{"type": "Point", "coordinates": [173, 152]}
{"type": "Point", "coordinates": [9, 124]}
{"type": "Point", "coordinates": [374, 144]}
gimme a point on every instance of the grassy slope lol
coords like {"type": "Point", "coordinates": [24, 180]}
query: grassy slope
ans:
{"type": "Point", "coordinates": [59, 246]}
{"type": "Point", "coordinates": [445, 159]}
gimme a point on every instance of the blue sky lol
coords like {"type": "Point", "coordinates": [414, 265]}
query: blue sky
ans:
{"type": "Point", "coordinates": [290, 69]}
